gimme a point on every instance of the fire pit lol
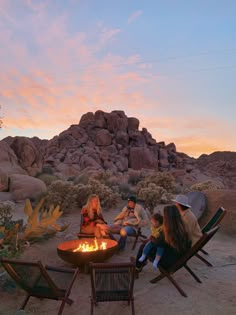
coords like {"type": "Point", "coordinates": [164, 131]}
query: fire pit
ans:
{"type": "Point", "coordinates": [82, 251]}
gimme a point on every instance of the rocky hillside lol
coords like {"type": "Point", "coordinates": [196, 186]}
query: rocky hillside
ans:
{"type": "Point", "coordinates": [221, 165]}
{"type": "Point", "coordinates": [109, 141]}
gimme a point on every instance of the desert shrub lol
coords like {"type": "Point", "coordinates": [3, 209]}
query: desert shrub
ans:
{"type": "Point", "coordinates": [153, 195]}
{"type": "Point", "coordinates": [6, 209]}
{"type": "Point", "coordinates": [125, 190]}
{"type": "Point", "coordinates": [47, 178]}
{"type": "Point", "coordinates": [62, 193]}
{"type": "Point", "coordinates": [161, 179]}
{"type": "Point", "coordinates": [71, 197]}
{"type": "Point", "coordinates": [134, 177]}
{"type": "Point", "coordinates": [108, 197]}
{"type": "Point", "coordinates": [47, 170]}
{"type": "Point", "coordinates": [82, 179]}
{"type": "Point", "coordinates": [103, 177]}
{"type": "Point", "coordinates": [207, 185]}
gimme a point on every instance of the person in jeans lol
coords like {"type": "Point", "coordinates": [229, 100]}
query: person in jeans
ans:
{"type": "Point", "coordinates": [152, 243]}
{"type": "Point", "coordinates": [126, 223]}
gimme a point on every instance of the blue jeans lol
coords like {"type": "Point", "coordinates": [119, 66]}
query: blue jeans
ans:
{"type": "Point", "coordinates": [151, 246]}
{"type": "Point", "coordinates": [124, 232]}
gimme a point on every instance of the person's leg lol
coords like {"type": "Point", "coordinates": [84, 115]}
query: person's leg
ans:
{"type": "Point", "coordinates": [159, 253]}
{"type": "Point", "coordinates": [124, 232]}
{"type": "Point", "coordinates": [146, 250]}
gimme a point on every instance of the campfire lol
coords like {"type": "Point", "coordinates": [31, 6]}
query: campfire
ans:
{"type": "Point", "coordinates": [90, 247]}
{"type": "Point", "coordinates": [82, 251]}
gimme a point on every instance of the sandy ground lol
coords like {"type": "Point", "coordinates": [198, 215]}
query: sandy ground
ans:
{"type": "Point", "coordinates": [215, 295]}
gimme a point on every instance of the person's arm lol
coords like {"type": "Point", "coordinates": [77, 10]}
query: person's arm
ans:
{"type": "Point", "coordinates": [121, 215]}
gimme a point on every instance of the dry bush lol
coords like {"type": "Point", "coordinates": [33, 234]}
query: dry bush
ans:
{"type": "Point", "coordinates": [125, 190]}
{"type": "Point", "coordinates": [71, 197]}
{"type": "Point", "coordinates": [153, 195]}
{"type": "Point", "coordinates": [6, 209]}
{"type": "Point", "coordinates": [134, 177]}
{"type": "Point", "coordinates": [161, 179]}
{"type": "Point", "coordinates": [48, 179]}
{"type": "Point", "coordinates": [207, 185]}
{"type": "Point", "coordinates": [62, 193]}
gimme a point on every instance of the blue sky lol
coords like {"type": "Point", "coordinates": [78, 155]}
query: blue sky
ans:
{"type": "Point", "coordinates": [171, 64]}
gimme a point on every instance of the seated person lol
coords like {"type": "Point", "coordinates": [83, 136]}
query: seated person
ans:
{"type": "Point", "coordinates": [190, 221]}
{"type": "Point", "coordinates": [128, 221]}
{"type": "Point", "coordinates": [92, 218]}
{"type": "Point", "coordinates": [152, 242]}
{"type": "Point", "coordinates": [176, 240]}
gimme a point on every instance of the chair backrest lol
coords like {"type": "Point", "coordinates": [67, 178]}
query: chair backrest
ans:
{"type": "Point", "coordinates": [194, 250]}
{"type": "Point", "coordinates": [32, 277]}
{"type": "Point", "coordinates": [215, 219]}
{"type": "Point", "coordinates": [112, 281]}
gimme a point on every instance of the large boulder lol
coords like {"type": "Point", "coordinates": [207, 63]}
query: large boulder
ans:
{"type": "Point", "coordinates": [28, 154]}
{"type": "Point", "coordinates": [103, 138]}
{"type": "Point", "coordinates": [24, 186]}
{"type": "Point", "coordinates": [142, 158]}
{"type": "Point", "coordinates": [8, 160]}
{"type": "Point", "coordinates": [222, 198]}
{"type": "Point", "coordinates": [198, 203]}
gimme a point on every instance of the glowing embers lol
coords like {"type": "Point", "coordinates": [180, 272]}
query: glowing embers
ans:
{"type": "Point", "coordinates": [91, 246]}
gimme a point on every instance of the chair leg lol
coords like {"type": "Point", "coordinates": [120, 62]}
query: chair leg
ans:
{"type": "Point", "coordinates": [158, 278]}
{"type": "Point", "coordinates": [192, 274]}
{"type": "Point", "coordinates": [135, 242]}
{"type": "Point", "coordinates": [132, 306]}
{"type": "Point", "coordinates": [25, 301]}
{"type": "Point", "coordinates": [204, 260]}
{"type": "Point", "coordinates": [61, 307]}
{"type": "Point", "coordinates": [91, 308]}
{"type": "Point", "coordinates": [204, 252]}
{"type": "Point", "coordinates": [181, 291]}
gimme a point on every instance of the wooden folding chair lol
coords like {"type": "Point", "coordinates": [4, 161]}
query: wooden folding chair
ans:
{"type": "Point", "coordinates": [138, 235]}
{"type": "Point", "coordinates": [83, 235]}
{"type": "Point", "coordinates": [42, 282]}
{"type": "Point", "coordinates": [112, 282]}
{"type": "Point", "coordinates": [214, 221]}
{"type": "Point", "coordinates": [182, 262]}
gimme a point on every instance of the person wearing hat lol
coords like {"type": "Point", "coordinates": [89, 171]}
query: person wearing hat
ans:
{"type": "Point", "coordinates": [126, 223]}
{"type": "Point", "coordinates": [190, 221]}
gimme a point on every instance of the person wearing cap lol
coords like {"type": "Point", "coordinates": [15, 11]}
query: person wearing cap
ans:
{"type": "Point", "coordinates": [188, 218]}
{"type": "Point", "coordinates": [128, 221]}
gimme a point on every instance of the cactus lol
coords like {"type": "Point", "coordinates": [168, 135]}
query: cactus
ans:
{"type": "Point", "coordinates": [41, 222]}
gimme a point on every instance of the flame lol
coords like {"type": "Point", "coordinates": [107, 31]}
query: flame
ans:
{"type": "Point", "coordinates": [90, 247]}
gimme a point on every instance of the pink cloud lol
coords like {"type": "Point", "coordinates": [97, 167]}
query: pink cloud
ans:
{"type": "Point", "coordinates": [134, 16]}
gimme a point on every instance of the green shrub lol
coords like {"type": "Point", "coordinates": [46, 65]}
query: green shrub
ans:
{"type": "Point", "coordinates": [207, 185]}
{"type": "Point", "coordinates": [153, 195]}
{"type": "Point", "coordinates": [47, 178]}
{"type": "Point", "coordinates": [6, 209]}
{"type": "Point", "coordinates": [134, 178]}
{"type": "Point", "coordinates": [125, 190]}
{"type": "Point", "coordinates": [161, 179]}
{"type": "Point", "coordinates": [71, 197]}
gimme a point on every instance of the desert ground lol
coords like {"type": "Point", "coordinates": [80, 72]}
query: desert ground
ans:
{"type": "Point", "coordinates": [215, 295]}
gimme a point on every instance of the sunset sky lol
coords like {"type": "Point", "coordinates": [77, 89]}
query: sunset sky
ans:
{"type": "Point", "coordinates": [171, 64]}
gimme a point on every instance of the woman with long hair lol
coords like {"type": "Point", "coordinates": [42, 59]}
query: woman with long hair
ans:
{"type": "Point", "coordinates": [92, 221]}
{"type": "Point", "coordinates": [176, 241]}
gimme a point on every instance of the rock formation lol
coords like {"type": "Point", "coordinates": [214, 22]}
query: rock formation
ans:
{"type": "Point", "coordinates": [109, 141]}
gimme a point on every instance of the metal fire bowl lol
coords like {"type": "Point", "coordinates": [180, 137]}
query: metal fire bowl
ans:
{"type": "Point", "coordinates": [65, 251]}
